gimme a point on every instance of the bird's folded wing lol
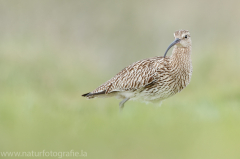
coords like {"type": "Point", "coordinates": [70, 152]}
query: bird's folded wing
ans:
{"type": "Point", "coordinates": [140, 74]}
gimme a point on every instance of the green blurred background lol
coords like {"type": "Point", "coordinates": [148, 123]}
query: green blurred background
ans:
{"type": "Point", "coordinates": [53, 51]}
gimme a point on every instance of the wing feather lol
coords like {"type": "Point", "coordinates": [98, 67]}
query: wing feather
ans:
{"type": "Point", "coordinates": [137, 75]}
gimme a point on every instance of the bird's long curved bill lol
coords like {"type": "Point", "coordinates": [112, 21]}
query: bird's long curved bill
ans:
{"type": "Point", "coordinates": [171, 45]}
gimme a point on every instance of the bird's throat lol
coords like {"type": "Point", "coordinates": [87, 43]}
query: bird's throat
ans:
{"type": "Point", "coordinates": [181, 54]}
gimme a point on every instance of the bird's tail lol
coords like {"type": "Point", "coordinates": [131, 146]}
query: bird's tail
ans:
{"type": "Point", "coordinates": [91, 95]}
{"type": "Point", "coordinates": [86, 94]}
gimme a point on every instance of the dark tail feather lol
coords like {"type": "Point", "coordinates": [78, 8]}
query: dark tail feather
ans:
{"type": "Point", "coordinates": [86, 94]}
{"type": "Point", "coordinates": [92, 94]}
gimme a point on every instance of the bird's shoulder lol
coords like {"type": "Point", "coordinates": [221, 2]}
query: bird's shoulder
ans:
{"type": "Point", "coordinates": [145, 65]}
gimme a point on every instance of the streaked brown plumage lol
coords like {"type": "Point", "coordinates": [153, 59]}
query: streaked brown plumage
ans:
{"type": "Point", "coordinates": [152, 79]}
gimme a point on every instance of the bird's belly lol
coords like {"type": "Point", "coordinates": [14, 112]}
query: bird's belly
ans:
{"type": "Point", "coordinates": [150, 95]}
{"type": "Point", "coordinates": [154, 95]}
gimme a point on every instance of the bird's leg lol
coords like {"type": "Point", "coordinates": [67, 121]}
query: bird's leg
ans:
{"type": "Point", "coordinates": [121, 104]}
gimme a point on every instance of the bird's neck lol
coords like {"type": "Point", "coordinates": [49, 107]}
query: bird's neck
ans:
{"type": "Point", "coordinates": [181, 54]}
{"type": "Point", "coordinates": [181, 58]}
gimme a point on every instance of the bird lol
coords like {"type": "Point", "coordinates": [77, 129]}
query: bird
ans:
{"type": "Point", "coordinates": [152, 79]}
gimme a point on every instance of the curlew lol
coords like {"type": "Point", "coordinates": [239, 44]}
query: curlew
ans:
{"type": "Point", "coordinates": [153, 79]}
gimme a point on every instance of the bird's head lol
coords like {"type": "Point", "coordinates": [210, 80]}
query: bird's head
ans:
{"type": "Point", "coordinates": [182, 39]}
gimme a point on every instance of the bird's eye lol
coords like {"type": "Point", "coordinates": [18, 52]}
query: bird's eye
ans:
{"type": "Point", "coordinates": [186, 36]}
